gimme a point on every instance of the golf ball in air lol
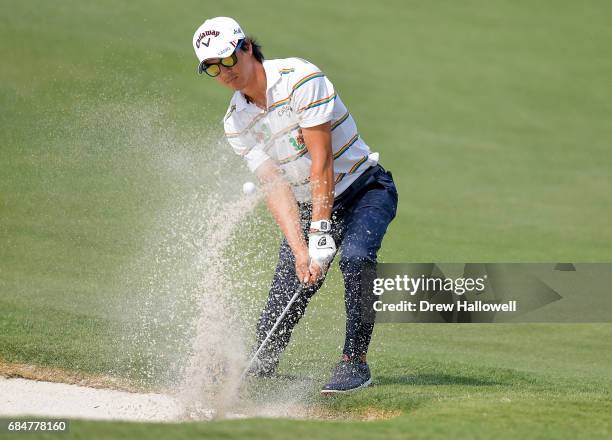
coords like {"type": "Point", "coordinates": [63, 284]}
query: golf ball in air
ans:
{"type": "Point", "coordinates": [249, 188]}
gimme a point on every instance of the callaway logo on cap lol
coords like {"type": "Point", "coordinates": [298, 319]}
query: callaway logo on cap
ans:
{"type": "Point", "coordinates": [216, 38]}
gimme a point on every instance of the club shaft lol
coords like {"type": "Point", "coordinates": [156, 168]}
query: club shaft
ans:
{"type": "Point", "coordinates": [297, 293]}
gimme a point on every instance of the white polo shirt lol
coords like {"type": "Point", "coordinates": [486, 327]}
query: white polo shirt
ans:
{"type": "Point", "coordinates": [298, 95]}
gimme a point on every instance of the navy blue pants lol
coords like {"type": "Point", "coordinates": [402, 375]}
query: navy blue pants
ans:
{"type": "Point", "coordinates": [360, 217]}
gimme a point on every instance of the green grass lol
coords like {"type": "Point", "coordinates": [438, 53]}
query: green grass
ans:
{"type": "Point", "coordinates": [493, 116]}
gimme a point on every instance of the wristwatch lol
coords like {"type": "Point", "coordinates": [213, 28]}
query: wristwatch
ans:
{"type": "Point", "coordinates": [320, 226]}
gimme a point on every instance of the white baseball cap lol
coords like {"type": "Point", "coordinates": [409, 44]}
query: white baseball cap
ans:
{"type": "Point", "coordinates": [216, 38]}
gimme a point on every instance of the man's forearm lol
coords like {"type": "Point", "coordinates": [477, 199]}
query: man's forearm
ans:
{"type": "Point", "coordinates": [322, 186]}
{"type": "Point", "coordinates": [283, 207]}
{"type": "Point", "coordinates": [319, 143]}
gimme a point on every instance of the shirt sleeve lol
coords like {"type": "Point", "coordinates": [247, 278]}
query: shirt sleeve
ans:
{"type": "Point", "coordinates": [254, 156]}
{"type": "Point", "coordinates": [247, 148]}
{"type": "Point", "coordinates": [313, 99]}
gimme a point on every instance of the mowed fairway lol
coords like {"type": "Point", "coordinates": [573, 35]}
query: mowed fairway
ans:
{"type": "Point", "coordinates": [495, 118]}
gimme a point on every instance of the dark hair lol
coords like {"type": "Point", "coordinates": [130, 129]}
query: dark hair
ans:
{"type": "Point", "coordinates": [259, 56]}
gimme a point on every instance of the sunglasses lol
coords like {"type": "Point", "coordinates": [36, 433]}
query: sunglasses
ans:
{"type": "Point", "coordinates": [214, 69]}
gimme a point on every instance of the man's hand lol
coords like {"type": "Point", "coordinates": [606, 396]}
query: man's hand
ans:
{"type": "Point", "coordinates": [302, 267]}
{"type": "Point", "coordinates": [321, 249]}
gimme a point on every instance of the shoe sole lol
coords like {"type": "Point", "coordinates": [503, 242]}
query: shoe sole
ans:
{"type": "Point", "coordinates": [334, 392]}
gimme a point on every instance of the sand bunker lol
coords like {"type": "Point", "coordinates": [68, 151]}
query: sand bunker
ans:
{"type": "Point", "coordinates": [21, 397]}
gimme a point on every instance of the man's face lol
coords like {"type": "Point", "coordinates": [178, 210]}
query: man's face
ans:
{"type": "Point", "coordinates": [237, 76]}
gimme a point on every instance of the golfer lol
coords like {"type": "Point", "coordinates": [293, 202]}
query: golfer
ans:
{"type": "Point", "coordinates": [323, 186]}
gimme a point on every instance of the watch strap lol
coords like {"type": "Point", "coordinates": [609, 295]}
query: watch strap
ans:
{"type": "Point", "coordinates": [321, 226]}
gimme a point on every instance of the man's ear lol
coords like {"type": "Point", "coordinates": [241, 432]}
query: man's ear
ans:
{"type": "Point", "coordinates": [247, 46]}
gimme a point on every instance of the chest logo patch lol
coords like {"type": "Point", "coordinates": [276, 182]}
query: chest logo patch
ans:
{"type": "Point", "coordinates": [298, 141]}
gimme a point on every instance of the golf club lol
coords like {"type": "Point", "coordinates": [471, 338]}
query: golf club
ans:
{"type": "Point", "coordinates": [297, 293]}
